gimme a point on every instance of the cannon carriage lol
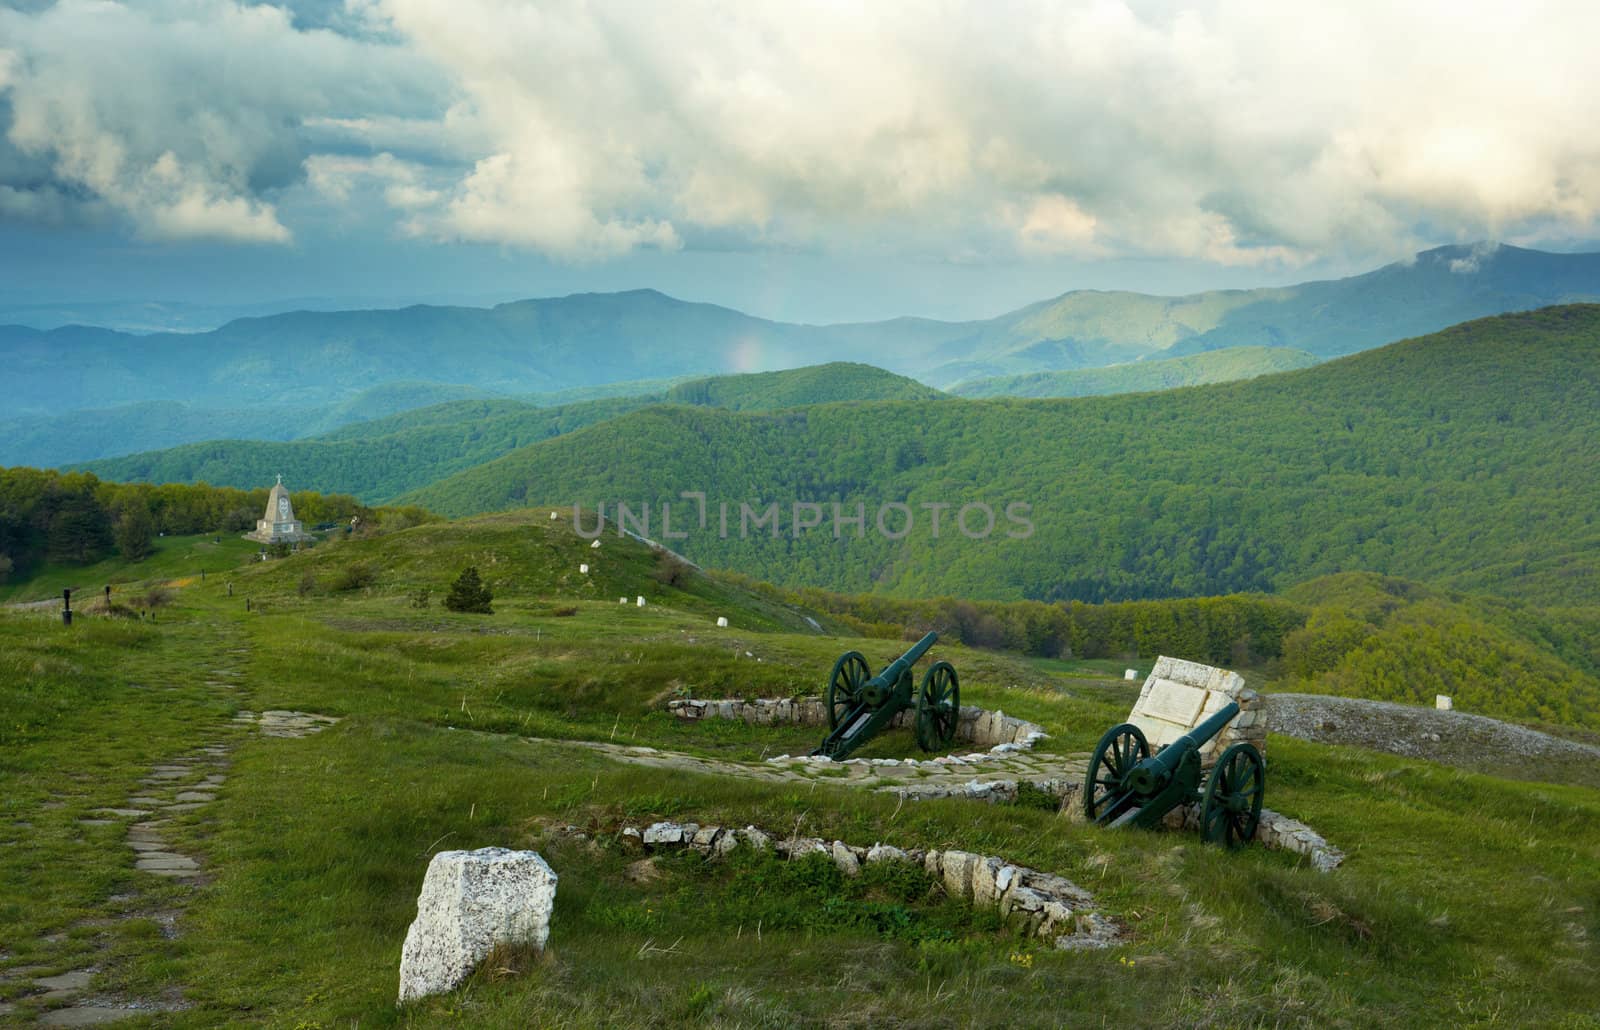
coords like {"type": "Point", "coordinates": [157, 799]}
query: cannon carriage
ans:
{"type": "Point", "coordinates": [1127, 785]}
{"type": "Point", "coordinates": [861, 705]}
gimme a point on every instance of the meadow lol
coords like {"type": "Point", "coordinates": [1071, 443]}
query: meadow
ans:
{"type": "Point", "coordinates": [1465, 899]}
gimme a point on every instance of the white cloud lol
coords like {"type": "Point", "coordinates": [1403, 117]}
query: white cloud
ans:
{"type": "Point", "coordinates": [1224, 131]}
{"type": "Point", "coordinates": [180, 116]}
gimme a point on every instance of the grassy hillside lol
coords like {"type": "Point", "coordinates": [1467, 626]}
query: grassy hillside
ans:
{"type": "Point", "coordinates": [1464, 895]}
{"type": "Point", "coordinates": [384, 457]}
{"type": "Point", "coordinates": [1466, 458]}
{"type": "Point", "coordinates": [1221, 366]}
{"type": "Point", "coordinates": [172, 557]}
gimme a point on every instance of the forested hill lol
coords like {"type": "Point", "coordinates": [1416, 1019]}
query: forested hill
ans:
{"type": "Point", "coordinates": [1470, 457]}
{"type": "Point", "coordinates": [378, 459]}
{"type": "Point", "coordinates": [1218, 366]}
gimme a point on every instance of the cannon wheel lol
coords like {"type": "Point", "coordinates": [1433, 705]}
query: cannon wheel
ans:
{"type": "Point", "coordinates": [1122, 748]}
{"type": "Point", "coordinates": [938, 707]}
{"type": "Point", "coordinates": [1232, 807]}
{"type": "Point", "coordinates": [844, 685]}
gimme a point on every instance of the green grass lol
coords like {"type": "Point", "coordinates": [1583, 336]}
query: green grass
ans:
{"type": "Point", "coordinates": [174, 557]}
{"type": "Point", "coordinates": [1466, 900]}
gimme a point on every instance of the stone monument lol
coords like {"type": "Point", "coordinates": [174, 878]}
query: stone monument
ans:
{"type": "Point", "coordinates": [1179, 695]}
{"type": "Point", "coordinates": [278, 525]}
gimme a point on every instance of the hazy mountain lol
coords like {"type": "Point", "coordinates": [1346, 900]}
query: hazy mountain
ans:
{"type": "Point", "coordinates": [380, 458]}
{"type": "Point", "coordinates": [1438, 288]}
{"type": "Point", "coordinates": [48, 441]}
{"type": "Point", "coordinates": [312, 358]}
{"type": "Point", "coordinates": [1220, 366]}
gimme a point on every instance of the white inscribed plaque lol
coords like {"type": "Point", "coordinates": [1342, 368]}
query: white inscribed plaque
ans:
{"type": "Point", "coordinates": [1174, 702]}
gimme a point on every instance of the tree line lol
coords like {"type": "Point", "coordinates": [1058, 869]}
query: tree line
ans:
{"type": "Point", "coordinates": [76, 518]}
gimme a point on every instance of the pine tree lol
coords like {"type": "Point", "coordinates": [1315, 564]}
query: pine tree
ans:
{"type": "Point", "coordinates": [469, 593]}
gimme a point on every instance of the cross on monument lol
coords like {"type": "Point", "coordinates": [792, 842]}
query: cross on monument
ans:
{"type": "Point", "coordinates": [280, 479]}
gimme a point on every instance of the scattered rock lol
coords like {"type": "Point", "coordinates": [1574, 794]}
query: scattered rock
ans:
{"type": "Point", "coordinates": [472, 901]}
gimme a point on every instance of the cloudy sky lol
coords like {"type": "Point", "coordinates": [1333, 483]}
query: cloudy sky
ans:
{"type": "Point", "coordinates": [817, 161]}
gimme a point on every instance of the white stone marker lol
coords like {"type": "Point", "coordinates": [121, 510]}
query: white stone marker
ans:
{"type": "Point", "coordinates": [472, 901]}
{"type": "Point", "coordinates": [594, 544]}
{"type": "Point", "coordinates": [640, 601]}
{"type": "Point", "coordinates": [552, 516]}
{"type": "Point", "coordinates": [584, 569]}
{"type": "Point", "coordinates": [722, 621]}
{"type": "Point", "coordinates": [1130, 674]}
{"type": "Point", "coordinates": [1443, 702]}
{"type": "Point", "coordinates": [622, 600]}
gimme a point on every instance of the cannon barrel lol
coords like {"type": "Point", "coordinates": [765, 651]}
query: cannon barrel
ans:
{"type": "Point", "coordinates": [1161, 765]}
{"type": "Point", "coordinates": [860, 706]}
{"type": "Point", "coordinates": [893, 671]}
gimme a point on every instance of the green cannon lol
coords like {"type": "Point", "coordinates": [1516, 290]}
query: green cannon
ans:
{"type": "Point", "coordinates": [860, 704]}
{"type": "Point", "coordinates": [1128, 786]}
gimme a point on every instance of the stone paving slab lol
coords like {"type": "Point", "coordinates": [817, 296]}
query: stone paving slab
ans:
{"type": "Point", "coordinates": [76, 980]}
{"type": "Point", "coordinates": [86, 1015]}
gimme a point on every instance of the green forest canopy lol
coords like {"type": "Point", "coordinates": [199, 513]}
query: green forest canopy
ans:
{"type": "Point", "coordinates": [1468, 458]}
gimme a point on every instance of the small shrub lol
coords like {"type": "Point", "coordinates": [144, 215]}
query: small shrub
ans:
{"type": "Point", "coordinates": [308, 583]}
{"type": "Point", "coordinates": [354, 576]}
{"type": "Point", "coordinates": [670, 569]}
{"type": "Point", "coordinates": [562, 613]}
{"type": "Point", "coordinates": [469, 593]}
{"type": "Point", "coordinates": [422, 598]}
{"type": "Point", "coordinates": [158, 597]}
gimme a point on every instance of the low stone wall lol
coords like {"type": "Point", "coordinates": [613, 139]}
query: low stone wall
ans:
{"type": "Point", "coordinates": [978, 726]}
{"type": "Point", "coordinates": [1276, 831]}
{"type": "Point", "coordinates": [1279, 831]}
{"type": "Point", "coordinates": [1043, 905]}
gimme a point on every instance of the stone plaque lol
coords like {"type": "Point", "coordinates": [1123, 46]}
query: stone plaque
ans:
{"type": "Point", "coordinates": [1174, 702]}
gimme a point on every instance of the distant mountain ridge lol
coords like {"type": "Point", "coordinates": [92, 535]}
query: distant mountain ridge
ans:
{"type": "Point", "coordinates": [382, 457]}
{"type": "Point", "coordinates": [310, 358]}
{"type": "Point", "coordinates": [1219, 366]}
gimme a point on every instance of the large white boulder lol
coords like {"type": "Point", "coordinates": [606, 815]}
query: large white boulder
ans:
{"type": "Point", "coordinates": [472, 901]}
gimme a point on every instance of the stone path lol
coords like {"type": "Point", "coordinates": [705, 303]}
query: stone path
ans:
{"type": "Point", "coordinates": [982, 776]}
{"type": "Point", "coordinates": [168, 804]}
{"type": "Point", "coordinates": [979, 776]}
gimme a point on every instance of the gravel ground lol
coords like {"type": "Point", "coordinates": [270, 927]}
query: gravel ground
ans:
{"type": "Point", "coordinates": [1460, 739]}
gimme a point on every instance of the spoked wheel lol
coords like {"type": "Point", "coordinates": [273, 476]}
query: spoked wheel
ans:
{"type": "Point", "coordinates": [1232, 807]}
{"type": "Point", "coordinates": [844, 686]}
{"type": "Point", "coordinates": [938, 707]}
{"type": "Point", "coordinates": [1105, 785]}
